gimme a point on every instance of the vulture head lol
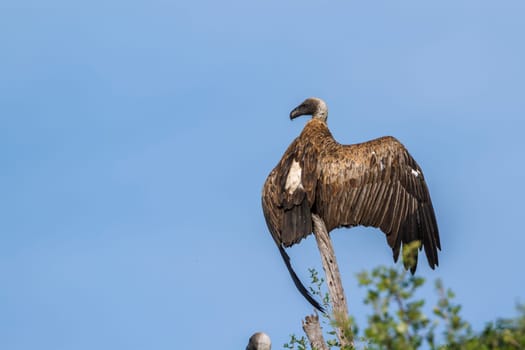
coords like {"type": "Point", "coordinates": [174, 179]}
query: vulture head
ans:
{"type": "Point", "coordinates": [259, 341]}
{"type": "Point", "coordinates": [311, 106]}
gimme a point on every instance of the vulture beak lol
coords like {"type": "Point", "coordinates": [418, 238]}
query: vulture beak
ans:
{"type": "Point", "coordinates": [298, 111]}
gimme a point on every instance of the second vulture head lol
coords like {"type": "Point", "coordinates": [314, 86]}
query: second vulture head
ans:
{"type": "Point", "coordinates": [311, 106]}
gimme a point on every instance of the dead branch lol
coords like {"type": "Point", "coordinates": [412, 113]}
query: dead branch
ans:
{"type": "Point", "coordinates": [333, 280]}
{"type": "Point", "coordinates": [313, 331]}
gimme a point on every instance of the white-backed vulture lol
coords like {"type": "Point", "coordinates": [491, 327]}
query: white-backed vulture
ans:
{"type": "Point", "coordinates": [375, 183]}
{"type": "Point", "coordinates": [259, 341]}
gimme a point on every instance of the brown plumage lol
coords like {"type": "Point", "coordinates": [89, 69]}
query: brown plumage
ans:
{"type": "Point", "coordinates": [375, 183]}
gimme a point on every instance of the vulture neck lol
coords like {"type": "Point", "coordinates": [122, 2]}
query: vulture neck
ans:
{"type": "Point", "coordinates": [316, 127]}
{"type": "Point", "coordinates": [320, 110]}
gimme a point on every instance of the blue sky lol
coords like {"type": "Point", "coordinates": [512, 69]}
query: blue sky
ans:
{"type": "Point", "coordinates": [136, 136]}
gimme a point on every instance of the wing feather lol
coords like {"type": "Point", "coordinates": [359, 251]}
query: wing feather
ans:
{"type": "Point", "coordinates": [273, 203]}
{"type": "Point", "coordinates": [292, 195]}
{"type": "Point", "coordinates": [378, 183]}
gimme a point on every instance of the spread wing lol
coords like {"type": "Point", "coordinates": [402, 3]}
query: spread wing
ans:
{"type": "Point", "coordinates": [287, 197]}
{"type": "Point", "coordinates": [379, 184]}
{"type": "Point", "coordinates": [289, 193]}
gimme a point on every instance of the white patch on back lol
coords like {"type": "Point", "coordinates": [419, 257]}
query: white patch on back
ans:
{"type": "Point", "coordinates": [293, 180]}
{"type": "Point", "coordinates": [415, 172]}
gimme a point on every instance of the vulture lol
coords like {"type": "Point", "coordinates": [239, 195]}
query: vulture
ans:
{"type": "Point", "coordinates": [259, 341]}
{"type": "Point", "coordinates": [375, 183]}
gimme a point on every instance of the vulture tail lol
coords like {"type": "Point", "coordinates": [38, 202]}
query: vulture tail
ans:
{"type": "Point", "coordinates": [302, 289]}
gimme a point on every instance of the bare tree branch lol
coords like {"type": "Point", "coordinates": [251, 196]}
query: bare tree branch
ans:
{"type": "Point", "coordinates": [313, 331]}
{"type": "Point", "coordinates": [333, 280]}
